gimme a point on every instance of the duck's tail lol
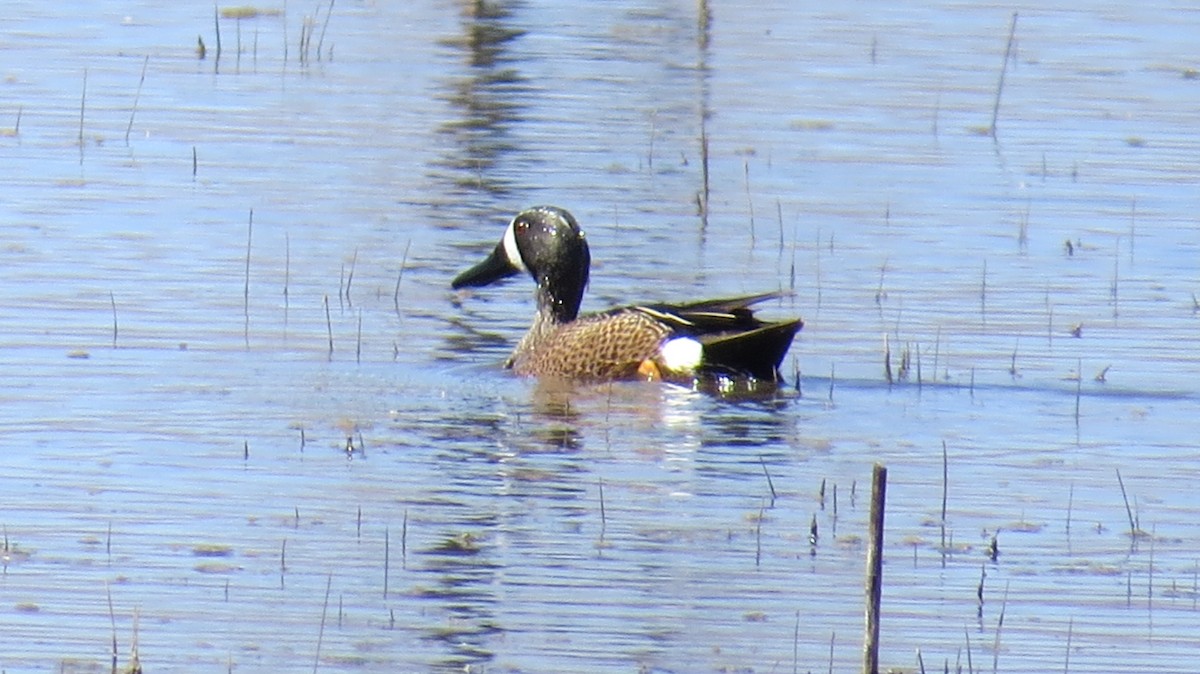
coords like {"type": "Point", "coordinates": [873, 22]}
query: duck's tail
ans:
{"type": "Point", "coordinates": [735, 341]}
{"type": "Point", "coordinates": [757, 352]}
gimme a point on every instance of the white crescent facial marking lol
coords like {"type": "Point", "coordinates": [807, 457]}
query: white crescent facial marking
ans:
{"type": "Point", "coordinates": [510, 247]}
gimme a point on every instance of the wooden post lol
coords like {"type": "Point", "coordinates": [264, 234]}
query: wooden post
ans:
{"type": "Point", "coordinates": [874, 584]}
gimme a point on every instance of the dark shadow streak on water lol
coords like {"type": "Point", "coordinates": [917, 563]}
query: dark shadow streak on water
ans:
{"type": "Point", "coordinates": [818, 387]}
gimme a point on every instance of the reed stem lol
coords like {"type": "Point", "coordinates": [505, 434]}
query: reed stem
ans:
{"type": "Point", "coordinates": [1012, 30]}
{"type": "Point", "coordinates": [136, 97]}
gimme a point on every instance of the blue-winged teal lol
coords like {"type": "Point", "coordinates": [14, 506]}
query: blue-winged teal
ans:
{"type": "Point", "coordinates": [656, 341]}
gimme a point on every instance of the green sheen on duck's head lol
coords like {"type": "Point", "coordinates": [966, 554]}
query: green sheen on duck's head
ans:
{"type": "Point", "coordinates": [547, 242]}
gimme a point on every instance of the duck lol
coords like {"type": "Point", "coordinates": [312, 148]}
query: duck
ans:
{"type": "Point", "coordinates": [680, 342]}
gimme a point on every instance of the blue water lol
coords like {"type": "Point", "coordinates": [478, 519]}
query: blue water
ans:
{"type": "Point", "coordinates": [252, 499]}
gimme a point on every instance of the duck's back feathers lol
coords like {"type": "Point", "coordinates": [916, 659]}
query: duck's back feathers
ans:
{"type": "Point", "coordinates": [604, 346]}
{"type": "Point", "coordinates": [618, 343]}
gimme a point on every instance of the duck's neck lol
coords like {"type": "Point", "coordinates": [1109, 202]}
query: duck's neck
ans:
{"type": "Point", "coordinates": [553, 311]}
{"type": "Point", "coordinates": [557, 304]}
{"type": "Point", "coordinates": [543, 328]}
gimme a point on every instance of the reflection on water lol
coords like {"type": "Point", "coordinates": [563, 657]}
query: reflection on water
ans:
{"type": "Point", "coordinates": [460, 577]}
{"type": "Point", "coordinates": [487, 100]}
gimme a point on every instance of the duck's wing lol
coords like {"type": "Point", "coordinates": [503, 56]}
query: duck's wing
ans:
{"type": "Point", "coordinates": [710, 316]}
{"type": "Point", "coordinates": [732, 305]}
{"type": "Point", "coordinates": [734, 339]}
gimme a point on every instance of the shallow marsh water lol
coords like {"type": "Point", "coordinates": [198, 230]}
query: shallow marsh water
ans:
{"type": "Point", "coordinates": [193, 466]}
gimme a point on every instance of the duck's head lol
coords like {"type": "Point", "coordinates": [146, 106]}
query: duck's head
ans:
{"type": "Point", "coordinates": [546, 242]}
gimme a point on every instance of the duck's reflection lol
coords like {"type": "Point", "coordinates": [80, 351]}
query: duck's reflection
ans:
{"type": "Point", "coordinates": [538, 460]}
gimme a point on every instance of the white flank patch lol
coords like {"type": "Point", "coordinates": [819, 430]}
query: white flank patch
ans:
{"type": "Point", "coordinates": [682, 354]}
{"type": "Point", "coordinates": [510, 248]}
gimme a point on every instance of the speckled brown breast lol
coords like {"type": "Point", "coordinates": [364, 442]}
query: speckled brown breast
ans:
{"type": "Point", "coordinates": [604, 346]}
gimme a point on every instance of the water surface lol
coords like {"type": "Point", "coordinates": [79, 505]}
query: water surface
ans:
{"type": "Point", "coordinates": [241, 401]}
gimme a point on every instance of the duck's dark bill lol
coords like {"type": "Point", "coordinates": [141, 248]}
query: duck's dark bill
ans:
{"type": "Point", "coordinates": [492, 269]}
